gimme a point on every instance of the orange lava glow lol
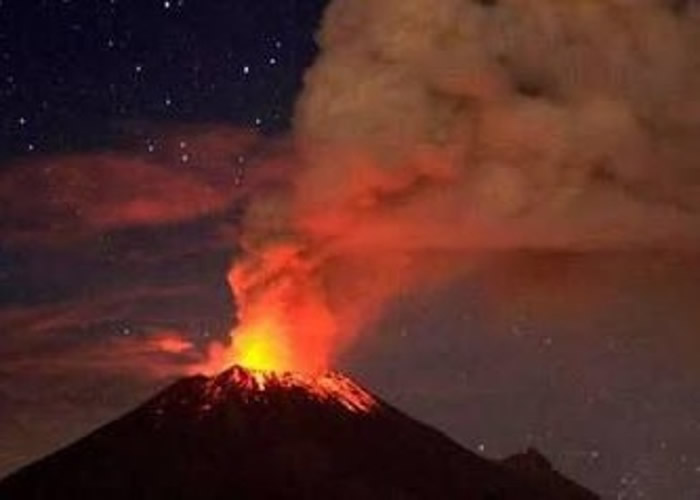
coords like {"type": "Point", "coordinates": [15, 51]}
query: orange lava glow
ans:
{"type": "Point", "coordinates": [262, 345]}
{"type": "Point", "coordinates": [284, 324]}
{"type": "Point", "coordinates": [256, 385]}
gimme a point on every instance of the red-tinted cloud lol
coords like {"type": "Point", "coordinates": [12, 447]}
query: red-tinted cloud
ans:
{"type": "Point", "coordinates": [188, 175]}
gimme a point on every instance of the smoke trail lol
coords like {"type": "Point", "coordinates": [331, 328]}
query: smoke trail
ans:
{"type": "Point", "coordinates": [430, 128]}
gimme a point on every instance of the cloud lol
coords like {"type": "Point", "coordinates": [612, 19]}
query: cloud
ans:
{"type": "Point", "coordinates": [191, 173]}
{"type": "Point", "coordinates": [514, 124]}
{"type": "Point", "coordinates": [430, 133]}
{"type": "Point", "coordinates": [132, 331]}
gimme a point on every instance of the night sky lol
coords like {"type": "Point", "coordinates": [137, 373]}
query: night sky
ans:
{"type": "Point", "coordinates": [130, 132]}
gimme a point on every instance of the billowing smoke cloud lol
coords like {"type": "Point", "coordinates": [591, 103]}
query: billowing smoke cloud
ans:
{"type": "Point", "coordinates": [522, 123]}
{"type": "Point", "coordinates": [429, 130]}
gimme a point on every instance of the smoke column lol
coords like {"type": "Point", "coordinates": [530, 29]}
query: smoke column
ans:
{"type": "Point", "coordinates": [431, 131]}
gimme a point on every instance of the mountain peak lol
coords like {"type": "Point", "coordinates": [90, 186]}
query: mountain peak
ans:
{"type": "Point", "coordinates": [261, 386]}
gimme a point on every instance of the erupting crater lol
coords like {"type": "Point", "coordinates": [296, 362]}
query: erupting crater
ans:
{"type": "Point", "coordinates": [261, 385]}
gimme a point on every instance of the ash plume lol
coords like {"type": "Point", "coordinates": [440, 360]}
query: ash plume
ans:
{"type": "Point", "coordinates": [522, 123]}
{"type": "Point", "coordinates": [430, 130]}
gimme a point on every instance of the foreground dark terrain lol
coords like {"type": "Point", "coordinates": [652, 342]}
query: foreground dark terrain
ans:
{"type": "Point", "coordinates": [247, 435]}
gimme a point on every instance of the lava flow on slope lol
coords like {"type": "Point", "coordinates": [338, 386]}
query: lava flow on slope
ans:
{"type": "Point", "coordinates": [259, 385]}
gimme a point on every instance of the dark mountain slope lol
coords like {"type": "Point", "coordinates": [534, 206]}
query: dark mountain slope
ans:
{"type": "Point", "coordinates": [250, 436]}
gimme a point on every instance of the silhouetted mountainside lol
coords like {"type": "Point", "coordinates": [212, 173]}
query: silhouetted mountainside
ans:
{"type": "Point", "coordinates": [249, 436]}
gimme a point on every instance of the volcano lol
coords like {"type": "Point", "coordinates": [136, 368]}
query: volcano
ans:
{"type": "Point", "coordinates": [259, 435]}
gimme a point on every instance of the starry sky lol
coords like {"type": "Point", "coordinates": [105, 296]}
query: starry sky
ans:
{"type": "Point", "coordinates": [130, 133]}
{"type": "Point", "coordinates": [72, 71]}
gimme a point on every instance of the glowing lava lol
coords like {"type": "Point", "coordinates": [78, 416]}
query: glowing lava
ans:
{"type": "Point", "coordinates": [284, 324]}
{"type": "Point", "coordinates": [284, 338]}
{"type": "Point", "coordinates": [260, 386]}
{"type": "Point", "coordinates": [262, 346]}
